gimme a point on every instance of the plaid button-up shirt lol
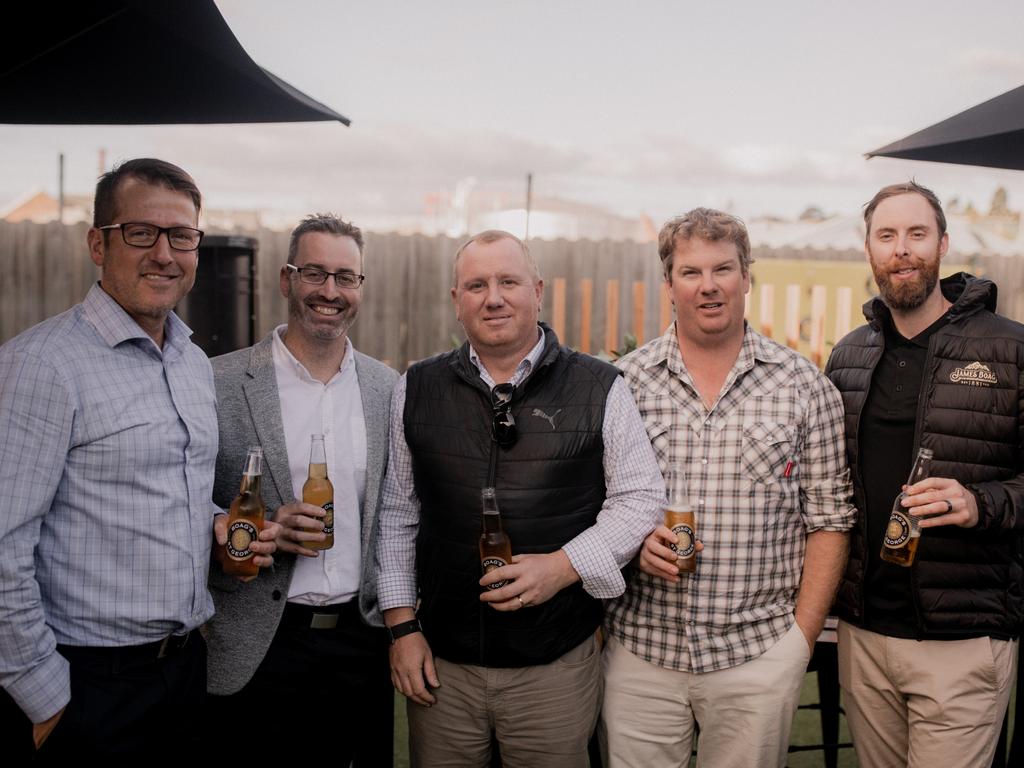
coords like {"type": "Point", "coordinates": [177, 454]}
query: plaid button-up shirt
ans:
{"type": "Point", "coordinates": [753, 515]}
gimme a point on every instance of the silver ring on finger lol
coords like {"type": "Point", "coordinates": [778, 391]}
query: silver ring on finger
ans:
{"type": "Point", "coordinates": [949, 506]}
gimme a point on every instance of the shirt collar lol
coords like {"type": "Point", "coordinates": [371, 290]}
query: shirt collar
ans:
{"type": "Point", "coordinates": [286, 357]}
{"type": "Point", "coordinates": [893, 338]}
{"type": "Point", "coordinates": [115, 326]}
{"type": "Point", "coordinates": [755, 348]}
{"type": "Point", "coordinates": [526, 365]}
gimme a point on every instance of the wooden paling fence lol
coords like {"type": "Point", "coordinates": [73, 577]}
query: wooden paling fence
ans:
{"type": "Point", "coordinates": [595, 292]}
{"type": "Point", "coordinates": [800, 331]}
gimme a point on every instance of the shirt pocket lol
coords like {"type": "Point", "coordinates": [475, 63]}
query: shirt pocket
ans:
{"type": "Point", "coordinates": [767, 448]}
{"type": "Point", "coordinates": [658, 434]}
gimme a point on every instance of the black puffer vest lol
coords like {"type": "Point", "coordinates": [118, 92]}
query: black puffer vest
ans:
{"type": "Point", "coordinates": [550, 487]}
{"type": "Point", "coordinates": [965, 582]}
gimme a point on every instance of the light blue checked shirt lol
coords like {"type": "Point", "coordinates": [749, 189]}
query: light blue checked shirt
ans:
{"type": "Point", "coordinates": [634, 495]}
{"type": "Point", "coordinates": [107, 451]}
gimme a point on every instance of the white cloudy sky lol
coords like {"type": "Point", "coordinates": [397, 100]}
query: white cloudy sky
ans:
{"type": "Point", "coordinates": [640, 106]}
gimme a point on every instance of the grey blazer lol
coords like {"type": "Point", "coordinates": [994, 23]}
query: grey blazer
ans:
{"type": "Point", "coordinates": [249, 413]}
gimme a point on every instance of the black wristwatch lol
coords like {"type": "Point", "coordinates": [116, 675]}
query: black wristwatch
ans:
{"type": "Point", "coordinates": [404, 628]}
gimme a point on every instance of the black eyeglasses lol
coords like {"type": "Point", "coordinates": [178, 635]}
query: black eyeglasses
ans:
{"type": "Point", "coordinates": [141, 235]}
{"type": "Point", "coordinates": [503, 423]}
{"type": "Point", "coordinates": [317, 276]}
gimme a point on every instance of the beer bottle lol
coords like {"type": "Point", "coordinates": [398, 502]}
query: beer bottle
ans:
{"type": "Point", "coordinates": [903, 533]}
{"type": "Point", "coordinates": [495, 545]}
{"type": "Point", "coordinates": [679, 518]}
{"type": "Point", "coordinates": [245, 518]}
{"type": "Point", "coordinates": [318, 490]}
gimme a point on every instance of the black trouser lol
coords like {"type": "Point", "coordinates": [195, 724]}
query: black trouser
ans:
{"type": "Point", "coordinates": [327, 692]}
{"type": "Point", "coordinates": [144, 699]}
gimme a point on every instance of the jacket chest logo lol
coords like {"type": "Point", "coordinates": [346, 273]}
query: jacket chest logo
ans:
{"type": "Point", "coordinates": [550, 419]}
{"type": "Point", "coordinates": [975, 374]}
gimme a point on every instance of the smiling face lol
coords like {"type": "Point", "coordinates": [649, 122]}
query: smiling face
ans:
{"type": "Point", "coordinates": [325, 312]}
{"type": "Point", "coordinates": [497, 298]}
{"type": "Point", "coordinates": [904, 249]}
{"type": "Point", "coordinates": [707, 286]}
{"type": "Point", "coordinates": [146, 282]}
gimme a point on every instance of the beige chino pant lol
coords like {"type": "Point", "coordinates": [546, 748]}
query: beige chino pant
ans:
{"type": "Point", "coordinates": [542, 716]}
{"type": "Point", "coordinates": [924, 703]}
{"type": "Point", "coordinates": [745, 712]}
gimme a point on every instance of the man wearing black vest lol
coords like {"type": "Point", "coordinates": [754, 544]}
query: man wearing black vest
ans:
{"type": "Point", "coordinates": [927, 653]}
{"type": "Point", "coordinates": [559, 437]}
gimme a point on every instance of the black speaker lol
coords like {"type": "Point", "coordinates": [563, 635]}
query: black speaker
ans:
{"type": "Point", "coordinates": [221, 307]}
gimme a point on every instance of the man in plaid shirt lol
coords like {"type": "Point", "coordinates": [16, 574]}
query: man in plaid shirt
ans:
{"type": "Point", "coordinates": [759, 432]}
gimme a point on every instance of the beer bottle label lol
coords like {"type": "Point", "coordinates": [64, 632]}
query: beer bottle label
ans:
{"type": "Point", "coordinates": [687, 541]}
{"type": "Point", "coordinates": [898, 530]}
{"type": "Point", "coordinates": [489, 564]}
{"type": "Point", "coordinates": [241, 534]}
{"type": "Point", "coordinates": [329, 518]}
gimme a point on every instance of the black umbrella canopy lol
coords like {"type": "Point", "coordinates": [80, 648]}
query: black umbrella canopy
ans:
{"type": "Point", "coordinates": [990, 134]}
{"type": "Point", "coordinates": [138, 62]}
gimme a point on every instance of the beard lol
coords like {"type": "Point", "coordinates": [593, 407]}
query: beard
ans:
{"type": "Point", "coordinates": [324, 330]}
{"type": "Point", "coordinates": [907, 294]}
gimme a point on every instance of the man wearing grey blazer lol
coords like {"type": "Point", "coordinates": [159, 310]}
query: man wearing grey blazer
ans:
{"type": "Point", "coordinates": [303, 644]}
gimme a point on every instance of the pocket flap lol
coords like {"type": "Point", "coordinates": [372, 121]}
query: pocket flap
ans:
{"type": "Point", "coordinates": [771, 433]}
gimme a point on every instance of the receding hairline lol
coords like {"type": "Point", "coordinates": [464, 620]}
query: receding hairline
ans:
{"type": "Point", "coordinates": [899, 189]}
{"type": "Point", "coordinates": [147, 171]}
{"type": "Point", "coordinates": [933, 224]}
{"type": "Point", "coordinates": [301, 238]}
{"type": "Point", "coordinates": [487, 237]}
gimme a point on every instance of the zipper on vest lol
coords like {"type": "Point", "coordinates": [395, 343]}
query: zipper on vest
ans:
{"type": "Point", "coordinates": [492, 471]}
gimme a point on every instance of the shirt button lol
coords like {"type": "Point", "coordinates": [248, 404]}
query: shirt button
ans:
{"type": "Point", "coordinates": [276, 594]}
{"type": "Point", "coordinates": [899, 387]}
{"type": "Point", "coordinates": [701, 502]}
{"type": "Point", "coordinates": [903, 363]}
{"type": "Point", "coordinates": [703, 461]}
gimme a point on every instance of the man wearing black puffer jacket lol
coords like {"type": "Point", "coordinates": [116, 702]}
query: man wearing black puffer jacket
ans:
{"type": "Point", "coordinates": [927, 654]}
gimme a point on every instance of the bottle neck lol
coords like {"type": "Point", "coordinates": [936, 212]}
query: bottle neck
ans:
{"type": "Point", "coordinates": [492, 522]}
{"type": "Point", "coordinates": [251, 484]}
{"type": "Point", "coordinates": [317, 452]}
{"type": "Point", "coordinates": [920, 470]}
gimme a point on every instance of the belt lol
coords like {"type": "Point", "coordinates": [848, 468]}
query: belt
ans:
{"type": "Point", "coordinates": [119, 657]}
{"type": "Point", "coordinates": [301, 616]}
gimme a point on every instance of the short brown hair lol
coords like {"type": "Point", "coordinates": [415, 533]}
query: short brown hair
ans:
{"type": "Point", "coordinates": [493, 236]}
{"type": "Point", "coordinates": [906, 188]}
{"type": "Point", "coordinates": [147, 169]}
{"type": "Point", "coordinates": [703, 224]}
{"type": "Point", "coordinates": [328, 224]}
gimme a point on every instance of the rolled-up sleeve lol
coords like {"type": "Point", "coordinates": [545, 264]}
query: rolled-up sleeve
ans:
{"type": "Point", "coordinates": [399, 517]}
{"type": "Point", "coordinates": [635, 493]}
{"type": "Point", "coordinates": [825, 488]}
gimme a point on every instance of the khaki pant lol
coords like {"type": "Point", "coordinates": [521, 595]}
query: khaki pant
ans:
{"type": "Point", "coordinates": [924, 703]}
{"type": "Point", "coordinates": [745, 712]}
{"type": "Point", "coordinates": [541, 716]}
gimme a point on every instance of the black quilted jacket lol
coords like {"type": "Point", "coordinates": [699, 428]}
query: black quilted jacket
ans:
{"type": "Point", "coordinates": [965, 582]}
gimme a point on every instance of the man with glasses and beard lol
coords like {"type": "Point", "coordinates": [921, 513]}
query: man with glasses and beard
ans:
{"type": "Point", "coordinates": [307, 639]}
{"type": "Point", "coordinates": [558, 435]}
{"type": "Point", "coordinates": [927, 653]}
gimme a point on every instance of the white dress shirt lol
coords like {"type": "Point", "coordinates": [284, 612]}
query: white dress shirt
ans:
{"type": "Point", "coordinates": [335, 410]}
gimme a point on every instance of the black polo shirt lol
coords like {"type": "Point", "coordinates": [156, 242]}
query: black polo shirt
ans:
{"type": "Point", "coordinates": [886, 439]}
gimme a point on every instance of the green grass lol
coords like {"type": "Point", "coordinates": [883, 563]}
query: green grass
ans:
{"type": "Point", "coordinates": [806, 730]}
